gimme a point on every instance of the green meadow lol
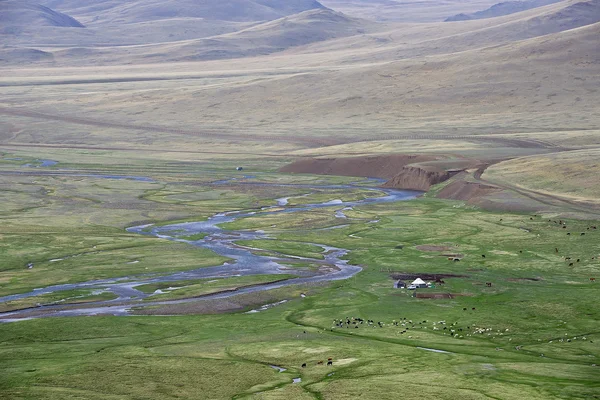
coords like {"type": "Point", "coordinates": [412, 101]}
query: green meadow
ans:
{"type": "Point", "coordinates": [515, 318]}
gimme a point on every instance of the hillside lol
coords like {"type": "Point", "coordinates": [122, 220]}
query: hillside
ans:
{"type": "Point", "coordinates": [25, 14]}
{"type": "Point", "coordinates": [273, 36]}
{"type": "Point", "coordinates": [500, 9]}
{"type": "Point", "coordinates": [406, 10]}
{"type": "Point", "coordinates": [103, 12]}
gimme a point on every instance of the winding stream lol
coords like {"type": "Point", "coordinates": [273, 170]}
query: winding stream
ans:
{"type": "Point", "coordinates": [242, 260]}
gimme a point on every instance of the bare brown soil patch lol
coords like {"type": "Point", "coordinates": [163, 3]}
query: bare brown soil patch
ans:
{"type": "Point", "coordinates": [418, 177]}
{"type": "Point", "coordinates": [378, 166]}
{"type": "Point", "coordinates": [467, 191]}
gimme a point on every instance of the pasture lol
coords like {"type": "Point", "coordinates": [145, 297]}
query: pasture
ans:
{"type": "Point", "coordinates": [533, 333]}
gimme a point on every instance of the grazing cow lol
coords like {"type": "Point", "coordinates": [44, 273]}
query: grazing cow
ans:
{"type": "Point", "coordinates": [531, 218]}
{"type": "Point", "coordinates": [450, 258]}
{"type": "Point", "coordinates": [488, 284]}
{"type": "Point", "coordinates": [320, 363]}
{"type": "Point", "coordinates": [570, 264]}
{"type": "Point", "coordinates": [568, 233]}
{"type": "Point", "coordinates": [567, 258]}
{"type": "Point", "coordinates": [582, 233]}
{"type": "Point", "coordinates": [464, 309]}
{"type": "Point", "coordinates": [593, 279]}
{"type": "Point", "coordinates": [304, 365]}
{"type": "Point", "coordinates": [483, 255]}
{"type": "Point", "coordinates": [456, 259]}
{"type": "Point", "coordinates": [329, 362]}
{"type": "Point", "coordinates": [564, 227]}
{"type": "Point", "coordinates": [473, 308]}
{"type": "Point", "coordinates": [556, 249]}
{"type": "Point", "coordinates": [578, 260]}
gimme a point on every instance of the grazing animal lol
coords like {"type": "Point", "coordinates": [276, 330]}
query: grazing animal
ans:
{"type": "Point", "coordinates": [593, 279]}
{"type": "Point", "coordinates": [320, 363]}
{"type": "Point", "coordinates": [304, 365]}
{"type": "Point", "coordinates": [329, 362]}
{"type": "Point", "coordinates": [564, 227]}
{"type": "Point", "coordinates": [556, 249]}
{"type": "Point", "coordinates": [488, 284]}
{"type": "Point", "coordinates": [568, 233]}
{"type": "Point", "coordinates": [578, 260]}
{"type": "Point", "coordinates": [464, 309]}
{"type": "Point", "coordinates": [570, 264]}
{"type": "Point", "coordinates": [473, 308]}
{"type": "Point", "coordinates": [456, 259]}
{"type": "Point", "coordinates": [483, 255]}
{"type": "Point", "coordinates": [582, 233]}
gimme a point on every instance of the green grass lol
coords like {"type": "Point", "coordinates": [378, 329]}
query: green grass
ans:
{"type": "Point", "coordinates": [298, 249]}
{"type": "Point", "coordinates": [63, 297]}
{"type": "Point", "coordinates": [195, 288]}
{"type": "Point", "coordinates": [535, 299]}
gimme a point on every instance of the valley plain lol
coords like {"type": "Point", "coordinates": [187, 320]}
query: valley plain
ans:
{"type": "Point", "coordinates": [202, 209]}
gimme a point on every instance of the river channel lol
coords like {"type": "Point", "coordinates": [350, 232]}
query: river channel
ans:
{"type": "Point", "coordinates": [242, 260]}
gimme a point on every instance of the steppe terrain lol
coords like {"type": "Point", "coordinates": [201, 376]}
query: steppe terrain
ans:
{"type": "Point", "coordinates": [197, 199]}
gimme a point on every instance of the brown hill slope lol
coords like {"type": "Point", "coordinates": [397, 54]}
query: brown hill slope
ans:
{"type": "Point", "coordinates": [119, 11]}
{"type": "Point", "coordinates": [503, 8]}
{"type": "Point", "coordinates": [380, 166]}
{"type": "Point", "coordinates": [28, 14]}
{"type": "Point", "coordinates": [406, 10]}
{"type": "Point", "coordinates": [295, 30]}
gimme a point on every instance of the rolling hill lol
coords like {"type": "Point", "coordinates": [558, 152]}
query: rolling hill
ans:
{"type": "Point", "coordinates": [96, 12]}
{"type": "Point", "coordinates": [261, 39]}
{"type": "Point", "coordinates": [28, 14]}
{"type": "Point", "coordinates": [500, 9]}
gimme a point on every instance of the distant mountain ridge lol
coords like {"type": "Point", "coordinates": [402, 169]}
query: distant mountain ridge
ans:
{"type": "Point", "coordinates": [500, 9]}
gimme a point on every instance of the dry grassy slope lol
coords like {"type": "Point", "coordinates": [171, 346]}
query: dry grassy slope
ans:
{"type": "Point", "coordinates": [407, 10]}
{"type": "Point", "coordinates": [549, 82]}
{"type": "Point", "coordinates": [418, 40]}
{"type": "Point", "coordinates": [25, 14]}
{"type": "Point", "coordinates": [97, 12]}
{"type": "Point", "coordinates": [360, 41]}
{"type": "Point", "coordinates": [502, 8]}
{"type": "Point", "coordinates": [298, 29]}
{"type": "Point", "coordinates": [51, 38]}
{"type": "Point", "coordinates": [573, 174]}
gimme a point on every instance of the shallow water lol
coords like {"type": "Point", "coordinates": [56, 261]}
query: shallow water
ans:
{"type": "Point", "coordinates": [243, 261]}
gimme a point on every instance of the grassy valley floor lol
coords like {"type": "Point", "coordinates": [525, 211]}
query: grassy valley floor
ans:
{"type": "Point", "coordinates": [516, 317]}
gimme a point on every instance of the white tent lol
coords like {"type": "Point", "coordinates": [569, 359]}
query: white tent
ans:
{"type": "Point", "coordinates": [419, 282]}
